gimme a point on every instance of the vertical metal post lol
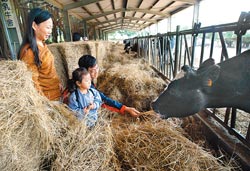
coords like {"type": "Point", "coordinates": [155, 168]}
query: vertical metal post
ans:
{"type": "Point", "coordinates": [99, 32]}
{"type": "Point", "coordinates": [196, 12]}
{"type": "Point", "coordinates": [202, 47]}
{"type": "Point", "coordinates": [85, 31]}
{"type": "Point", "coordinates": [6, 32]}
{"type": "Point", "coordinates": [94, 33]}
{"type": "Point", "coordinates": [212, 46]}
{"type": "Point", "coordinates": [176, 61]}
{"type": "Point", "coordinates": [68, 36]}
{"type": "Point", "coordinates": [179, 67]}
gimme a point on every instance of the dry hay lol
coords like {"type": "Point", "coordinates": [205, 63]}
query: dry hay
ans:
{"type": "Point", "coordinates": [72, 51]}
{"type": "Point", "coordinates": [22, 120]}
{"type": "Point", "coordinates": [37, 134]}
{"type": "Point", "coordinates": [60, 65]}
{"type": "Point", "coordinates": [67, 54]}
{"type": "Point", "coordinates": [117, 54]}
{"type": "Point", "coordinates": [134, 84]}
{"type": "Point", "coordinates": [79, 148]}
{"type": "Point", "coordinates": [155, 144]}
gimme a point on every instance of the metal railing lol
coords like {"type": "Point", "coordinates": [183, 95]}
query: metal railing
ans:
{"type": "Point", "coordinates": [168, 52]}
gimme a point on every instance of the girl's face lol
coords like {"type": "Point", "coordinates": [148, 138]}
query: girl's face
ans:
{"type": "Point", "coordinates": [86, 82]}
{"type": "Point", "coordinates": [43, 30]}
{"type": "Point", "coordinates": [93, 71]}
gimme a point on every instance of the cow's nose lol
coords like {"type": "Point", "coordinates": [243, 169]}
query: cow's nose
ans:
{"type": "Point", "coordinates": [154, 106]}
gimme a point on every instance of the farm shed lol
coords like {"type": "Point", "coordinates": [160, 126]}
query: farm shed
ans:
{"type": "Point", "coordinates": [98, 18]}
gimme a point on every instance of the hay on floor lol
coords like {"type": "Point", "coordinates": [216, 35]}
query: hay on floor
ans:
{"type": "Point", "coordinates": [134, 84]}
{"type": "Point", "coordinates": [155, 144]}
{"type": "Point", "coordinates": [37, 134]}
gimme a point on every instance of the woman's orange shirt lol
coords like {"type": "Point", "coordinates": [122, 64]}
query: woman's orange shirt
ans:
{"type": "Point", "coordinates": [45, 77]}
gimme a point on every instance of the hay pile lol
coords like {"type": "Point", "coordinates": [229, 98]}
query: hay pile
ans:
{"type": "Point", "coordinates": [60, 64]}
{"type": "Point", "coordinates": [155, 144]}
{"type": "Point", "coordinates": [67, 55]}
{"type": "Point", "coordinates": [116, 54]}
{"type": "Point", "coordinates": [37, 134]}
{"type": "Point", "coordinates": [70, 52]}
{"type": "Point", "coordinates": [134, 84]}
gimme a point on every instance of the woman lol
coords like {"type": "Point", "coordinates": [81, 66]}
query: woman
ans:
{"type": "Point", "coordinates": [89, 62]}
{"type": "Point", "coordinates": [35, 53]}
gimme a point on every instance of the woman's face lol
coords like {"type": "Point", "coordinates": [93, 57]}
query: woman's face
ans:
{"type": "Point", "coordinates": [93, 71]}
{"type": "Point", "coordinates": [43, 30]}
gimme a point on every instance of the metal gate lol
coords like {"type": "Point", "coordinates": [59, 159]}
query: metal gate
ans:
{"type": "Point", "coordinates": [168, 52]}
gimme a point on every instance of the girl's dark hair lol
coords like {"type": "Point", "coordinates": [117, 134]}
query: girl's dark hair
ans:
{"type": "Point", "coordinates": [38, 16]}
{"type": "Point", "coordinates": [76, 76]}
{"type": "Point", "coordinates": [87, 61]}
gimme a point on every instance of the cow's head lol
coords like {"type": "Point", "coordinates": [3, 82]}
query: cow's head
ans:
{"type": "Point", "coordinates": [187, 95]}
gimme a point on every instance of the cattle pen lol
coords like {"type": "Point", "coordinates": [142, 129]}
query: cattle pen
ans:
{"type": "Point", "coordinates": [168, 59]}
{"type": "Point", "coordinates": [133, 78]}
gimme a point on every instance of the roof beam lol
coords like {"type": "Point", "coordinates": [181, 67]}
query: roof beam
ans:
{"type": "Point", "coordinates": [120, 25]}
{"type": "Point", "coordinates": [120, 18]}
{"type": "Point", "coordinates": [188, 1]}
{"type": "Point", "coordinates": [110, 31]}
{"type": "Point", "coordinates": [128, 9]}
{"type": "Point", "coordinates": [142, 19]}
{"type": "Point", "coordinates": [55, 3]}
{"type": "Point", "coordinates": [103, 14]}
{"type": "Point", "coordinates": [116, 24]}
{"type": "Point", "coordinates": [79, 4]}
{"type": "Point", "coordinates": [119, 28]}
{"type": "Point", "coordinates": [113, 6]}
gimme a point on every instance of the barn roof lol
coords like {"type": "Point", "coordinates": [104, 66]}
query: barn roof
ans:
{"type": "Point", "coordinates": [109, 15]}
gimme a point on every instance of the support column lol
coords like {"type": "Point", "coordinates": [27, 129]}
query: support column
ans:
{"type": "Point", "coordinates": [85, 31]}
{"type": "Point", "coordinates": [5, 27]}
{"type": "Point", "coordinates": [196, 12]}
{"type": "Point", "coordinates": [99, 32]}
{"type": "Point", "coordinates": [94, 32]}
{"type": "Point", "coordinates": [67, 28]}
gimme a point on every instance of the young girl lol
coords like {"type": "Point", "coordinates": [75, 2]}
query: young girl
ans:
{"type": "Point", "coordinates": [90, 63]}
{"type": "Point", "coordinates": [85, 101]}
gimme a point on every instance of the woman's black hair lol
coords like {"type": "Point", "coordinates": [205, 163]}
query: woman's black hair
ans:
{"type": "Point", "coordinates": [38, 16]}
{"type": "Point", "coordinates": [76, 76]}
{"type": "Point", "coordinates": [87, 61]}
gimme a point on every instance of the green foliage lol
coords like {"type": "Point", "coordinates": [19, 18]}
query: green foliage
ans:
{"type": "Point", "coordinates": [122, 34]}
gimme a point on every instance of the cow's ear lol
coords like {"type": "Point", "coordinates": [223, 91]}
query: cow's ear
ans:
{"type": "Point", "coordinates": [207, 63]}
{"type": "Point", "coordinates": [188, 71]}
{"type": "Point", "coordinates": [210, 75]}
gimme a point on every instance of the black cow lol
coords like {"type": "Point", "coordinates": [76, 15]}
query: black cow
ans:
{"type": "Point", "coordinates": [226, 84]}
{"type": "Point", "coordinates": [128, 46]}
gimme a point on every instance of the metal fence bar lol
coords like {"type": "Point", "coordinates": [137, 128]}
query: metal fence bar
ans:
{"type": "Point", "coordinates": [158, 50]}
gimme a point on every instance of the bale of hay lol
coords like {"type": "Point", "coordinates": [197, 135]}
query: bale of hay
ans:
{"type": "Point", "coordinates": [78, 148]}
{"type": "Point", "coordinates": [116, 54]}
{"type": "Point", "coordinates": [60, 64]}
{"type": "Point", "coordinates": [26, 130]}
{"type": "Point", "coordinates": [134, 84]}
{"type": "Point", "coordinates": [159, 145]}
{"type": "Point", "coordinates": [70, 52]}
{"type": "Point", "coordinates": [37, 134]}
